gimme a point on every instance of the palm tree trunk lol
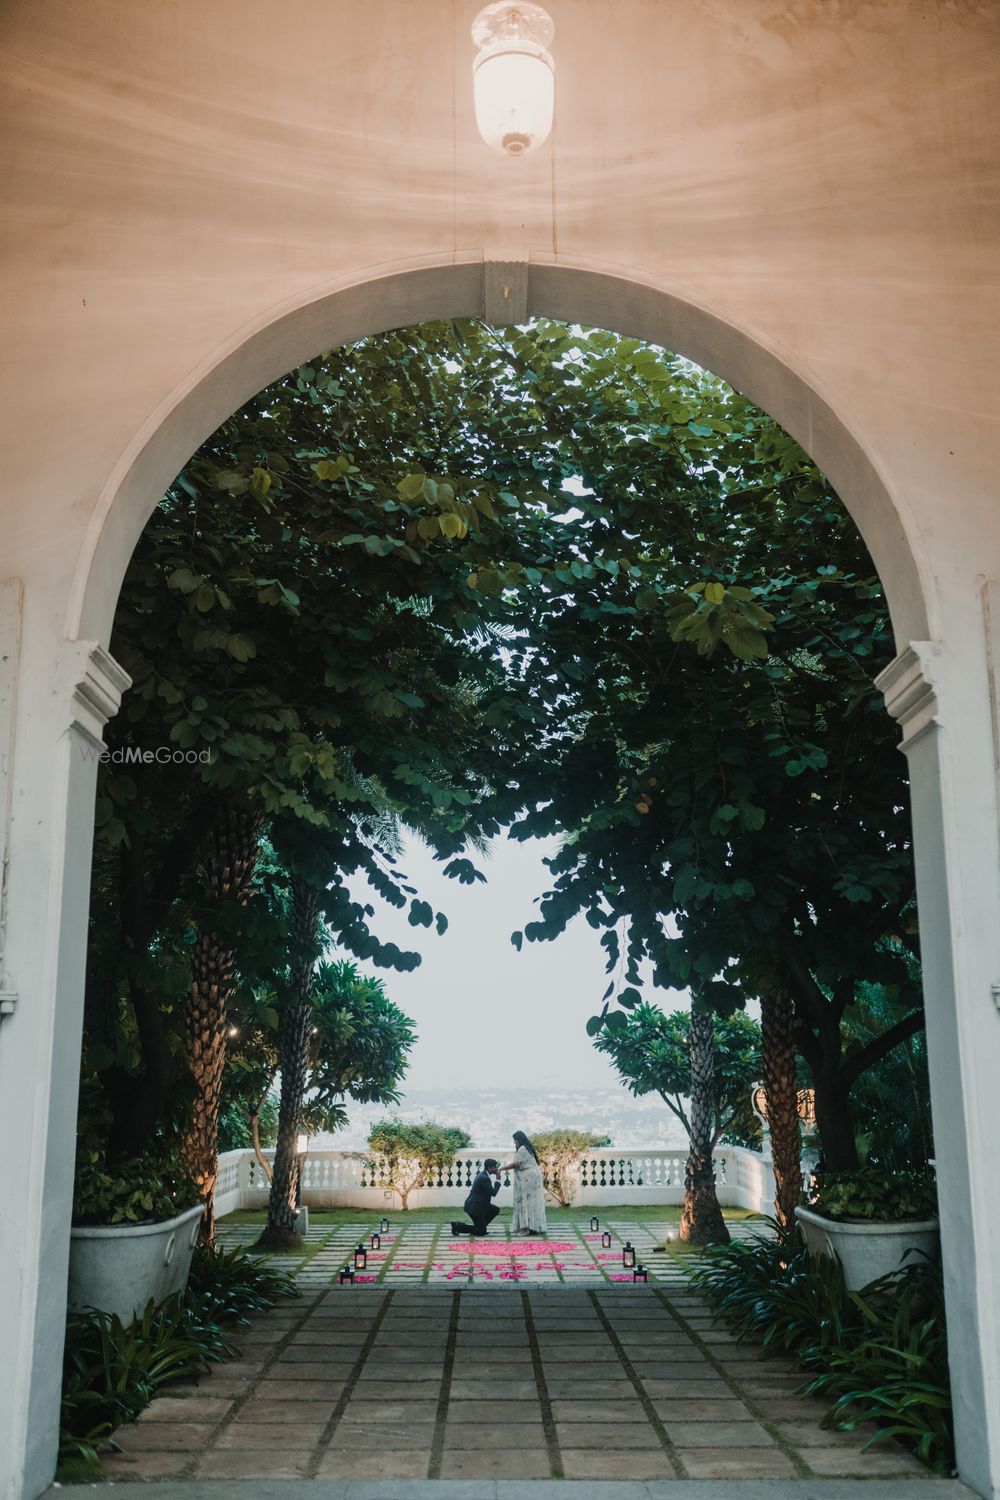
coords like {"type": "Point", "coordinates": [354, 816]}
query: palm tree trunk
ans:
{"type": "Point", "coordinates": [781, 1088]}
{"type": "Point", "coordinates": [228, 875]}
{"type": "Point", "coordinates": [294, 1032]}
{"type": "Point", "coordinates": [702, 1222]}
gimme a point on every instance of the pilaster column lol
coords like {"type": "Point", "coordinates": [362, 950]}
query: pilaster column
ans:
{"type": "Point", "coordinates": [65, 693]}
{"type": "Point", "coordinates": [940, 696]}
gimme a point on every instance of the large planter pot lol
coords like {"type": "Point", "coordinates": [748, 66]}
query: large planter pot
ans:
{"type": "Point", "coordinates": [866, 1250]}
{"type": "Point", "coordinates": [118, 1267]}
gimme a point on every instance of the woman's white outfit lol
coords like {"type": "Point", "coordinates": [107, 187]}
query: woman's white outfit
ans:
{"type": "Point", "coordinates": [529, 1194]}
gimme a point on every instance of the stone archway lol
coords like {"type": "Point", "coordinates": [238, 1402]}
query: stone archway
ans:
{"type": "Point", "coordinates": [89, 688]}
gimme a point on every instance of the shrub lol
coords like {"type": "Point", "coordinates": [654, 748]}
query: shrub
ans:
{"type": "Point", "coordinates": [409, 1154]}
{"type": "Point", "coordinates": [881, 1352]}
{"type": "Point", "coordinates": [227, 1285]}
{"type": "Point", "coordinates": [145, 1189]}
{"type": "Point", "coordinates": [875, 1195]}
{"type": "Point", "coordinates": [559, 1154]}
{"type": "Point", "coordinates": [112, 1370]}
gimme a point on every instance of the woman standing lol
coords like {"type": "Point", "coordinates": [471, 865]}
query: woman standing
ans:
{"type": "Point", "coordinates": [529, 1190]}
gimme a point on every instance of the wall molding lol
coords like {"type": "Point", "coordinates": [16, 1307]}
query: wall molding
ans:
{"type": "Point", "coordinates": [909, 686]}
{"type": "Point", "coordinates": [97, 685]}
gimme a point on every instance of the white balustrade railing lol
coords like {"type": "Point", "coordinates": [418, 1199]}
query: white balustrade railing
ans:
{"type": "Point", "coordinates": [356, 1179]}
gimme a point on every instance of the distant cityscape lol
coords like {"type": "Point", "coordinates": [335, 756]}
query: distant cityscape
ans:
{"type": "Point", "coordinates": [492, 1115]}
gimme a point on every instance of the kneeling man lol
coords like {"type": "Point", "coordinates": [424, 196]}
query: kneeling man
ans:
{"type": "Point", "coordinates": [479, 1205]}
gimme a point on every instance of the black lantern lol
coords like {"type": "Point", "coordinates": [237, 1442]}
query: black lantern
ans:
{"type": "Point", "coordinates": [360, 1258]}
{"type": "Point", "coordinates": [376, 1239]}
{"type": "Point", "coordinates": [595, 1223]}
{"type": "Point", "coordinates": [640, 1273]}
{"type": "Point", "coordinates": [385, 1226]}
{"type": "Point", "coordinates": [346, 1276]}
{"type": "Point", "coordinates": [606, 1240]}
{"type": "Point", "coordinates": [628, 1255]}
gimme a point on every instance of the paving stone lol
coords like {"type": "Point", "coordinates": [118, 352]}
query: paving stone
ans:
{"type": "Point", "coordinates": [297, 1436]}
{"type": "Point", "coordinates": [725, 1463]}
{"type": "Point", "coordinates": [413, 1436]}
{"type": "Point", "coordinates": [616, 1387]}
{"type": "Point", "coordinates": [333, 1338]}
{"type": "Point", "coordinates": [870, 1465]}
{"type": "Point", "coordinates": [804, 1410]}
{"type": "Point", "coordinates": [684, 1408]}
{"type": "Point", "coordinates": [345, 1463]}
{"type": "Point", "coordinates": [492, 1411]}
{"type": "Point", "coordinates": [262, 1411]}
{"type": "Point", "coordinates": [367, 1406]}
{"type": "Point", "coordinates": [498, 1463]}
{"type": "Point", "coordinates": [398, 1390]}
{"type": "Point", "coordinates": [586, 1358]}
{"type": "Point", "coordinates": [597, 1411]}
{"type": "Point", "coordinates": [718, 1435]}
{"type": "Point", "coordinates": [487, 1389]}
{"type": "Point", "coordinates": [164, 1436]}
{"type": "Point", "coordinates": [388, 1355]}
{"type": "Point", "coordinates": [590, 1463]}
{"type": "Point", "coordinates": [639, 1434]}
{"type": "Point", "coordinates": [143, 1465]}
{"type": "Point", "coordinates": [300, 1390]}
{"type": "Point", "coordinates": [494, 1436]}
{"type": "Point", "coordinates": [186, 1409]}
{"type": "Point", "coordinates": [807, 1434]}
{"type": "Point", "coordinates": [252, 1464]}
{"type": "Point", "coordinates": [316, 1354]}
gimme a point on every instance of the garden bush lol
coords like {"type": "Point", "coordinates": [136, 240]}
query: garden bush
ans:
{"type": "Point", "coordinates": [875, 1195]}
{"type": "Point", "coordinates": [880, 1352]}
{"type": "Point", "coordinates": [112, 1369]}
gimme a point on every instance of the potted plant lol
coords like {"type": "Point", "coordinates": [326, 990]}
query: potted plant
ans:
{"type": "Point", "coordinates": [135, 1226]}
{"type": "Point", "coordinates": [870, 1220]}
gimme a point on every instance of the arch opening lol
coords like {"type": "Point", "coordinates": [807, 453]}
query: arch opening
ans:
{"type": "Point", "coordinates": [503, 293]}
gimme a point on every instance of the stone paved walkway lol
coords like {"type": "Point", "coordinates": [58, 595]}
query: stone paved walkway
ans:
{"type": "Point", "coordinates": [422, 1382]}
{"type": "Point", "coordinates": [422, 1252]}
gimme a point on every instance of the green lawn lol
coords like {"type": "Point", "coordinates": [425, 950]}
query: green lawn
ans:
{"type": "Point", "coordinates": [633, 1211]}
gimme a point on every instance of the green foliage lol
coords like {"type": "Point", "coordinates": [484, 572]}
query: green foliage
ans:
{"type": "Point", "coordinates": [432, 1144]}
{"type": "Point", "coordinates": [651, 1054]}
{"type": "Point", "coordinates": [881, 1351]}
{"type": "Point", "coordinates": [875, 1195]}
{"type": "Point", "coordinates": [234, 1128]}
{"type": "Point", "coordinates": [112, 1370]}
{"type": "Point", "coordinates": [148, 1189]}
{"type": "Point", "coordinates": [891, 1099]}
{"type": "Point", "coordinates": [895, 1373]}
{"type": "Point", "coordinates": [559, 1153]}
{"type": "Point", "coordinates": [547, 578]}
{"type": "Point", "coordinates": [359, 1046]}
{"type": "Point", "coordinates": [407, 1155]}
{"type": "Point", "coordinates": [228, 1285]}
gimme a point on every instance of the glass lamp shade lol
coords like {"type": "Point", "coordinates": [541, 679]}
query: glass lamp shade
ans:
{"type": "Point", "coordinates": [360, 1258]}
{"type": "Point", "coordinates": [595, 1223]}
{"type": "Point", "coordinates": [628, 1255]}
{"type": "Point", "coordinates": [385, 1226]}
{"type": "Point", "coordinates": [606, 1240]}
{"type": "Point", "coordinates": [376, 1239]}
{"type": "Point", "coordinates": [513, 76]}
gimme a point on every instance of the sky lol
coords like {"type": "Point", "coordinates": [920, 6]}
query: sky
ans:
{"type": "Point", "coordinates": [485, 1014]}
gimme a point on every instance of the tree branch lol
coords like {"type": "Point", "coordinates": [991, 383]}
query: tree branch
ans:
{"type": "Point", "coordinates": [881, 1045]}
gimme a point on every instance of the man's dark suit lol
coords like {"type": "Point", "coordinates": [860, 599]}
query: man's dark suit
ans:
{"type": "Point", "coordinates": [479, 1205]}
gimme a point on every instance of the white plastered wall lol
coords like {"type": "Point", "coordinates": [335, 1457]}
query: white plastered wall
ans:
{"type": "Point", "coordinates": [801, 195]}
